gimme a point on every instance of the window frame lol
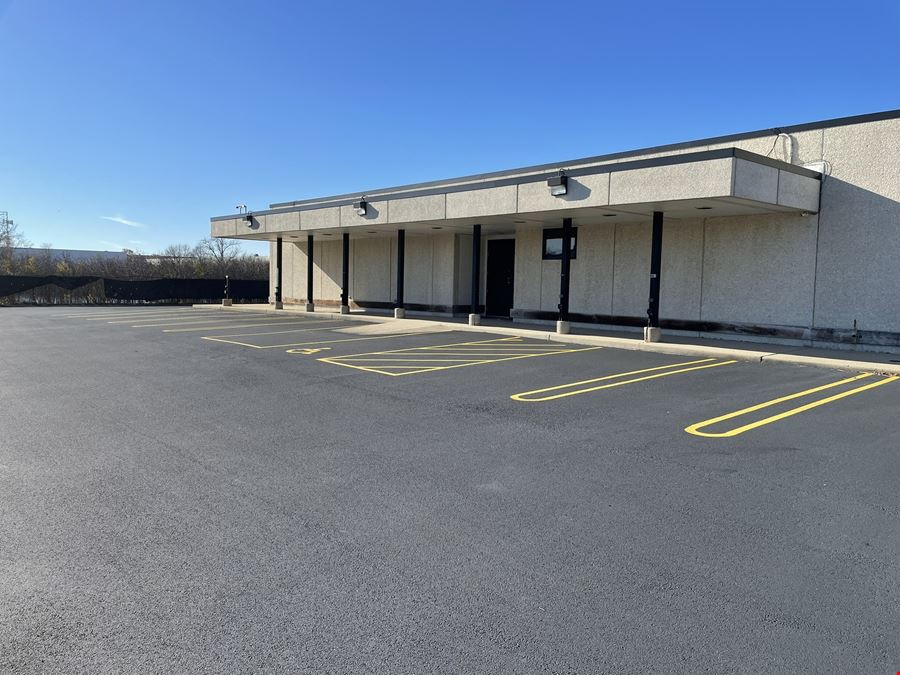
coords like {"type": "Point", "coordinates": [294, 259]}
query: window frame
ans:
{"type": "Point", "coordinates": [556, 233]}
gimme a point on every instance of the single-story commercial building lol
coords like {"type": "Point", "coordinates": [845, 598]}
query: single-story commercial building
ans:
{"type": "Point", "coordinates": [782, 234]}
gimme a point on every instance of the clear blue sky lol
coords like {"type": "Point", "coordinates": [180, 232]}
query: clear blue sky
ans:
{"type": "Point", "coordinates": [162, 114]}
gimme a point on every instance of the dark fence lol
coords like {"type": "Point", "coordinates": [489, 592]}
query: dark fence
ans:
{"type": "Point", "coordinates": [144, 290]}
{"type": "Point", "coordinates": [19, 284]}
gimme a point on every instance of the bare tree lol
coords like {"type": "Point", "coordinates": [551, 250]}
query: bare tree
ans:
{"type": "Point", "coordinates": [178, 261]}
{"type": "Point", "coordinates": [180, 251]}
{"type": "Point", "coordinates": [10, 237]}
{"type": "Point", "coordinates": [221, 252]}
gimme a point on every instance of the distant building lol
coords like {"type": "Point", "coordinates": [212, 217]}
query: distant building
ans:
{"type": "Point", "coordinates": [71, 255]}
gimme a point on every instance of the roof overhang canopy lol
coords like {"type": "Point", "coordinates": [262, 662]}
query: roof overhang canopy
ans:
{"type": "Point", "coordinates": [713, 183]}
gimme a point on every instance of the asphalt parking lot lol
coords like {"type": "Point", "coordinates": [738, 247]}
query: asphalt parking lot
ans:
{"type": "Point", "coordinates": [199, 490]}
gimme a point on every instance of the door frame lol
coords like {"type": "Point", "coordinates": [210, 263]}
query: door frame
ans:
{"type": "Point", "coordinates": [484, 265]}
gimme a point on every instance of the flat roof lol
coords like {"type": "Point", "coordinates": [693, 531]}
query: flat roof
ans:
{"type": "Point", "coordinates": [730, 180]}
{"type": "Point", "coordinates": [823, 124]}
{"type": "Point", "coordinates": [505, 179]}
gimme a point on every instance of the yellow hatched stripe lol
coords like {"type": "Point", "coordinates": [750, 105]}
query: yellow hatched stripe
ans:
{"type": "Point", "coordinates": [415, 356]}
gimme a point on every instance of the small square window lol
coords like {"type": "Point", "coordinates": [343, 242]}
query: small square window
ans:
{"type": "Point", "coordinates": [553, 244]}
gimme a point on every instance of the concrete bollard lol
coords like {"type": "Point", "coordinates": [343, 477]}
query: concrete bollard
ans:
{"type": "Point", "coordinates": [399, 313]}
{"type": "Point", "coordinates": [474, 319]}
{"type": "Point", "coordinates": [562, 327]}
{"type": "Point", "coordinates": [345, 309]}
{"type": "Point", "coordinates": [652, 334]}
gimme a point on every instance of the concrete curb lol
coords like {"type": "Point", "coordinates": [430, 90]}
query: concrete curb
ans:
{"type": "Point", "coordinates": [610, 342]}
{"type": "Point", "coordinates": [837, 364]}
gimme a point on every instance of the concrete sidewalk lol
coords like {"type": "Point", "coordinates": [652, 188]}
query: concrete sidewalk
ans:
{"type": "Point", "coordinates": [838, 359]}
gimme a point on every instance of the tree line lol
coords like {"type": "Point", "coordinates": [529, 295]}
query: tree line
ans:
{"type": "Point", "coordinates": [208, 259]}
{"type": "Point", "coordinates": [211, 258]}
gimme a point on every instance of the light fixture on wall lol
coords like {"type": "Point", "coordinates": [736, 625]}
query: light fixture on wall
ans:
{"type": "Point", "coordinates": [559, 185]}
{"type": "Point", "coordinates": [360, 207]}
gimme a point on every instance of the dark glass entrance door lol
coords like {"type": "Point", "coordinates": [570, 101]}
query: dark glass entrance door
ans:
{"type": "Point", "coordinates": [501, 268]}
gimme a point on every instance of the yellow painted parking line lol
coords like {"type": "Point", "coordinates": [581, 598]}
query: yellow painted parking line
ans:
{"type": "Point", "coordinates": [223, 316]}
{"type": "Point", "coordinates": [103, 315]}
{"type": "Point", "coordinates": [576, 388]}
{"type": "Point", "coordinates": [231, 325]}
{"type": "Point", "coordinates": [127, 312]}
{"type": "Point", "coordinates": [491, 354]}
{"type": "Point", "coordinates": [505, 348]}
{"type": "Point", "coordinates": [195, 321]}
{"type": "Point", "coordinates": [162, 320]}
{"type": "Point", "coordinates": [349, 324]}
{"type": "Point", "coordinates": [132, 319]}
{"type": "Point", "coordinates": [147, 310]}
{"type": "Point", "coordinates": [412, 360]}
{"type": "Point", "coordinates": [188, 317]}
{"type": "Point", "coordinates": [695, 428]}
{"type": "Point", "coordinates": [308, 344]}
{"type": "Point", "coordinates": [145, 316]}
{"type": "Point", "coordinates": [133, 309]}
{"type": "Point", "coordinates": [369, 359]}
{"type": "Point", "coordinates": [480, 353]}
{"type": "Point", "coordinates": [515, 342]}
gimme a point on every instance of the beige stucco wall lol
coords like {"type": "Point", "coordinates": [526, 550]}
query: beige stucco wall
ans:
{"type": "Point", "coordinates": [822, 271]}
{"type": "Point", "coordinates": [326, 271]}
{"type": "Point", "coordinates": [372, 272]}
{"type": "Point", "coordinates": [859, 234]}
{"type": "Point", "coordinates": [753, 269]}
{"type": "Point", "coordinates": [610, 275]}
{"type": "Point", "coordinates": [433, 267]}
{"type": "Point", "coordinates": [430, 269]}
{"type": "Point", "coordinates": [759, 270]}
{"type": "Point", "coordinates": [815, 271]}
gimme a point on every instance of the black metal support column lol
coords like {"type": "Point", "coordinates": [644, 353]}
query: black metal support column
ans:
{"type": "Point", "coordinates": [476, 268]}
{"type": "Point", "coordinates": [278, 270]}
{"type": "Point", "coordinates": [309, 269]}
{"type": "Point", "coordinates": [655, 268]}
{"type": "Point", "coordinates": [345, 272]}
{"type": "Point", "coordinates": [401, 256]}
{"type": "Point", "coordinates": [564, 269]}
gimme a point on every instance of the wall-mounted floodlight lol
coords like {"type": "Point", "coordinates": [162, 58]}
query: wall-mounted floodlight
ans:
{"type": "Point", "coordinates": [360, 207]}
{"type": "Point", "coordinates": [241, 208]}
{"type": "Point", "coordinates": [559, 185]}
